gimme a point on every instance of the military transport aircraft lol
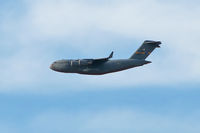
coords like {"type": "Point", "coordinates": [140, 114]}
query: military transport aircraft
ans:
{"type": "Point", "coordinates": [105, 65]}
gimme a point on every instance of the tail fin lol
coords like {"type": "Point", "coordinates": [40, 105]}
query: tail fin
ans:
{"type": "Point", "coordinates": [145, 50]}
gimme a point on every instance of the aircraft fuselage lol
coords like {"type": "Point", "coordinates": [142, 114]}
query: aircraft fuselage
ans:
{"type": "Point", "coordinates": [77, 66]}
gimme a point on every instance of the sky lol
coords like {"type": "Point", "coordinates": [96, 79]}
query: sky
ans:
{"type": "Point", "coordinates": [159, 97]}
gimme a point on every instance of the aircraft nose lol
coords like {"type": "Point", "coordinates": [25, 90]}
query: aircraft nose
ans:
{"type": "Point", "coordinates": [51, 66]}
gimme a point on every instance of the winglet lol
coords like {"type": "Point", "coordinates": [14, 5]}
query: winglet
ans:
{"type": "Point", "coordinates": [111, 55]}
{"type": "Point", "coordinates": [102, 60]}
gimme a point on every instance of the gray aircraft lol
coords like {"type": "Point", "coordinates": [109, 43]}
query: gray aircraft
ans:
{"type": "Point", "coordinates": [105, 65]}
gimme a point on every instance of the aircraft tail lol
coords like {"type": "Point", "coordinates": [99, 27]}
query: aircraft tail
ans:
{"type": "Point", "coordinates": [145, 50]}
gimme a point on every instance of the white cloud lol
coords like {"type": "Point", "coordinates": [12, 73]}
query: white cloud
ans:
{"type": "Point", "coordinates": [109, 121]}
{"type": "Point", "coordinates": [177, 61]}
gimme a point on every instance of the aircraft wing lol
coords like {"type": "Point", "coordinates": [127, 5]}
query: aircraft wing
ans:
{"type": "Point", "coordinates": [101, 60]}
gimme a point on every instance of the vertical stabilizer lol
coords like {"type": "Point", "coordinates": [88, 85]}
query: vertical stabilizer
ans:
{"type": "Point", "coordinates": [145, 50]}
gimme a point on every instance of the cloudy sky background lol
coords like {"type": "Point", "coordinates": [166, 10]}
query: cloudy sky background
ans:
{"type": "Point", "coordinates": [159, 97]}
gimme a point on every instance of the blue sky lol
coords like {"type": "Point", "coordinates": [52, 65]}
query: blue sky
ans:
{"type": "Point", "coordinates": [159, 97]}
